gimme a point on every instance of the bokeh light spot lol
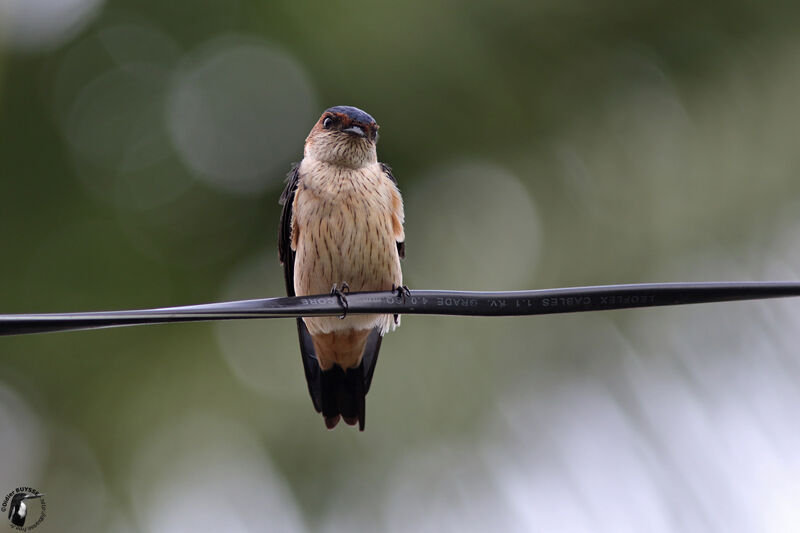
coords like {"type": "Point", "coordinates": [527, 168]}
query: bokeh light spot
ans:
{"type": "Point", "coordinates": [206, 473]}
{"type": "Point", "coordinates": [36, 24]}
{"type": "Point", "coordinates": [470, 226]}
{"type": "Point", "coordinates": [238, 111]}
{"type": "Point", "coordinates": [261, 353]}
{"type": "Point", "coordinates": [113, 135]}
{"type": "Point", "coordinates": [22, 439]}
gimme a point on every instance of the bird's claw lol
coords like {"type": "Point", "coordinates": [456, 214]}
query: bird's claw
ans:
{"type": "Point", "coordinates": [341, 294]}
{"type": "Point", "coordinates": [402, 292]}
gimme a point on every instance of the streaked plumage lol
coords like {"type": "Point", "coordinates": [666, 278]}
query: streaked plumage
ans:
{"type": "Point", "coordinates": [342, 223]}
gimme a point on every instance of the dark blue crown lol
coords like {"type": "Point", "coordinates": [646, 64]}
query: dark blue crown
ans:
{"type": "Point", "coordinates": [353, 112]}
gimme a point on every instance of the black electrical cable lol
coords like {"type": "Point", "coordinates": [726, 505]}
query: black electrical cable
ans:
{"type": "Point", "coordinates": [461, 303]}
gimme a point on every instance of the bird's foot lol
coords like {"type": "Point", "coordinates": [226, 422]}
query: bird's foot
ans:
{"type": "Point", "coordinates": [403, 292]}
{"type": "Point", "coordinates": [341, 294]}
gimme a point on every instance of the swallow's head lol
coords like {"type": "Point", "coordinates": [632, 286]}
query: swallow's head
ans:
{"type": "Point", "coordinates": [345, 136]}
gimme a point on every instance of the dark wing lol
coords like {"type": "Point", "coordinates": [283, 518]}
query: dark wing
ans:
{"type": "Point", "coordinates": [387, 171]}
{"type": "Point", "coordinates": [371, 350]}
{"type": "Point", "coordinates": [285, 252]}
{"type": "Point", "coordinates": [286, 255]}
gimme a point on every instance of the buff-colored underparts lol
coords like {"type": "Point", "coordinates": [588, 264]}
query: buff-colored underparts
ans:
{"type": "Point", "coordinates": [345, 229]}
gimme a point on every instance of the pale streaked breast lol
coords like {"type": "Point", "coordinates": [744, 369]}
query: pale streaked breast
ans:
{"type": "Point", "coordinates": [345, 229]}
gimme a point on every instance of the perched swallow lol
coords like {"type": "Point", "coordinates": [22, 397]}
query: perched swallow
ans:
{"type": "Point", "coordinates": [341, 230]}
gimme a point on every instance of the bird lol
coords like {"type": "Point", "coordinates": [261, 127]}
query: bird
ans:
{"type": "Point", "coordinates": [341, 230]}
{"type": "Point", "coordinates": [18, 511]}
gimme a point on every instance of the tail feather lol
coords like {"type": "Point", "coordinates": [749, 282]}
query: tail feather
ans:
{"type": "Point", "coordinates": [337, 393]}
{"type": "Point", "coordinates": [343, 394]}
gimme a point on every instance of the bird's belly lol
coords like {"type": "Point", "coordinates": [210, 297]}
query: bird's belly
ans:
{"type": "Point", "coordinates": [347, 241]}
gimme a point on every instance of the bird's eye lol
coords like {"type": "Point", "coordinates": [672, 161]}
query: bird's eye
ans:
{"type": "Point", "coordinates": [327, 123]}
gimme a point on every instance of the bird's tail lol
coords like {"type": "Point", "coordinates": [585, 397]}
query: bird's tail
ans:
{"type": "Point", "coordinates": [339, 393]}
{"type": "Point", "coordinates": [343, 395]}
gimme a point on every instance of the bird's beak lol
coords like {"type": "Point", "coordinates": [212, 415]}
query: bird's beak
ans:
{"type": "Point", "coordinates": [356, 130]}
{"type": "Point", "coordinates": [32, 496]}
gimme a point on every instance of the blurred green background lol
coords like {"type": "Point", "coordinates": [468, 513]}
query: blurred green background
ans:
{"type": "Point", "coordinates": [143, 146]}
